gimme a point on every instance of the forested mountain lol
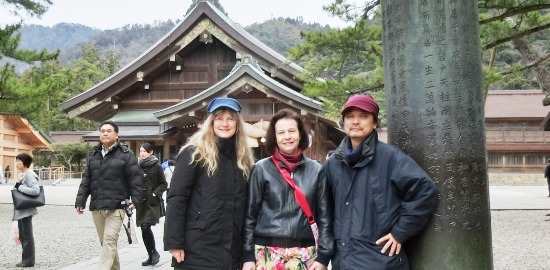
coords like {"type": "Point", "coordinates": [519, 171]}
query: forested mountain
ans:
{"type": "Point", "coordinates": [280, 34]}
{"type": "Point", "coordinates": [350, 59]}
{"type": "Point", "coordinates": [130, 41]}
{"type": "Point", "coordinates": [63, 36]}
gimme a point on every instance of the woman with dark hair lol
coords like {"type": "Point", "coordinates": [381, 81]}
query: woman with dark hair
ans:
{"type": "Point", "coordinates": [148, 213]}
{"type": "Point", "coordinates": [27, 182]}
{"type": "Point", "coordinates": [288, 219]}
{"type": "Point", "coordinates": [205, 209]}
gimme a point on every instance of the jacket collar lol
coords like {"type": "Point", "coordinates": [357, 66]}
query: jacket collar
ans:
{"type": "Point", "coordinates": [367, 151]}
{"type": "Point", "coordinates": [123, 147]}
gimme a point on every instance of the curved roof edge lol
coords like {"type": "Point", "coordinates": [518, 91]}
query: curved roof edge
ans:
{"type": "Point", "coordinates": [203, 8]}
{"type": "Point", "coordinates": [241, 69]}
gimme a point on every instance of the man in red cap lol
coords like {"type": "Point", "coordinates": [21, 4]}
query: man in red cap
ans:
{"type": "Point", "coordinates": [382, 197]}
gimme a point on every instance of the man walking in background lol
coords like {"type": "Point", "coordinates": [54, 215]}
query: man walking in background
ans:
{"type": "Point", "coordinates": [7, 173]}
{"type": "Point", "coordinates": [547, 175]}
{"type": "Point", "coordinates": [112, 176]}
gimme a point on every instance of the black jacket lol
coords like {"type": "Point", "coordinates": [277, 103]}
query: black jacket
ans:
{"type": "Point", "coordinates": [385, 191]}
{"type": "Point", "coordinates": [110, 179]}
{"type": "Point", "coordinates": [273, 212]}
{"type": "Point", "coordinates": [204, 214]}
{"type": "Point", "coordinates": [154, 182]}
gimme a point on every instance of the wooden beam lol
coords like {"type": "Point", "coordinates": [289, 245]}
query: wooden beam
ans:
{"type": "Point", "coordinates": [23, 130]}
{"type": "Point", "coordinates": [180, 86]}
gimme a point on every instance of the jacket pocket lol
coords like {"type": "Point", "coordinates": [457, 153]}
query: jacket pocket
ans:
{"type": "Point", "coordinates": [197, 225]}
{"type": "Point", "coordinates": [153, 200]}
{"type": "Point", "coordinates": [379, 200]}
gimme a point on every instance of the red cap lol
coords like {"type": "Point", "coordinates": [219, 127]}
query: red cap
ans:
{"type": "Point", "coordinates": [362, 102]}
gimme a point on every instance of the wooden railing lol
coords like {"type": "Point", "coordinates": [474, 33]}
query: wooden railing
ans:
{"type": "Point", "coordinates": [518, 136]}
{"type": "Point", "coordinates": [51, 173]}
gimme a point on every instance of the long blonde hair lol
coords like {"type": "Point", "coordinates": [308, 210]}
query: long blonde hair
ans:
{"type": "Point", "coordinates": [206, 149]}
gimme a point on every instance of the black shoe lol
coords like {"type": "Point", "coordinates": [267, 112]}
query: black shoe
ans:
{"type": "Point", "coordinates": [155, 257]}
{"type": "Point", "coordinates": [23, 265]}
{"type": "Point", "coordinates": [147, 262]}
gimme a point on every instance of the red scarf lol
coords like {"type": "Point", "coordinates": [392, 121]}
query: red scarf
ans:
{"type": "Point", "coordinates": [290, 161]}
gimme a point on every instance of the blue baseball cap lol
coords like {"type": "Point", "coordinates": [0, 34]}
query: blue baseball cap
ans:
{"type": "Point", "coordinates": [225, 102]}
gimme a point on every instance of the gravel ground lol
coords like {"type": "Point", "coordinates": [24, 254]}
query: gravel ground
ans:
{"type": "Point", "coordinates": [520, 238]}
{"type": "Point", "coordinates": [62, 237]}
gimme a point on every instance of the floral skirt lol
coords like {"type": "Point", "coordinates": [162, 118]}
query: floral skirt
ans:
{"type": "Point", "coordinates": [280, 258]}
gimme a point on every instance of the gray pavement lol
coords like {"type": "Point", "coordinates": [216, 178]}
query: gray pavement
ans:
{"type": "Point", "coordinates": [63, 193]}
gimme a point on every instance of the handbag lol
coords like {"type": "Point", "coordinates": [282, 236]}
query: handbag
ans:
{"type": "Point", "coordinates": [25, 201]}
{"type": "Point", "coordinates": [301, 199]}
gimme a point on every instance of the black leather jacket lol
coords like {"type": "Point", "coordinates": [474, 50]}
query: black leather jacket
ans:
{"type": "Point", "coordinates": [274, 218]}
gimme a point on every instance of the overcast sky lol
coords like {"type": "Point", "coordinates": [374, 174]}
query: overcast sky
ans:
{"type": "Point", "coordinates": [109, 14]}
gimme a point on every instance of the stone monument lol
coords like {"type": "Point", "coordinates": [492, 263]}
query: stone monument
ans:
{"type": "Point", "coordinates": [434, 99]}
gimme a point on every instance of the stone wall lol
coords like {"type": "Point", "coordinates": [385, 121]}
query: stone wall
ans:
{"type": "Point", "coordinates": [513, 179]}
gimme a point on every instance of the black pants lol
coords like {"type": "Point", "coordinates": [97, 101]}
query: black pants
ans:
{"type": "Point", "coordinates": [27, 240]}
{"type": "Point", "coordinates": [148, 238]}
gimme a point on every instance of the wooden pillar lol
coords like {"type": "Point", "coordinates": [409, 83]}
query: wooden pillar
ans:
{"type": "Point", "coordinates": [166, 149]}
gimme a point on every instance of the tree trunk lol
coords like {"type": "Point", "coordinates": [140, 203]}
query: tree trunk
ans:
{"type": "Point", "coordinates": [541, 72]}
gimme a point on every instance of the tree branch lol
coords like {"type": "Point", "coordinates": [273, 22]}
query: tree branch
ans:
{"type": "Point", "coordinates": [528, 66]}
{"type": "Point", "coordinates": [369, 8]}
{"type": "Point", "coordinates": [517, 35]}
{"type": "Point", "coordinates": [366, 89]}
{"type": "Point", "coordinates": [515, 11]}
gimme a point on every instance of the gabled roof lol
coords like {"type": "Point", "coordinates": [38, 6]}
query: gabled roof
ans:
{"type": "Point", "coordinates": [515, 105]}
{"type": "Point", "coordinates": [204, 17]}
{"type": "Point", "coordinates": [33, 136]}
{"type": "Point", "coordinates": [243, 74]}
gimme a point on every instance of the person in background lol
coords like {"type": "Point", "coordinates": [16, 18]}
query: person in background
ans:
{"type": "Point", "coordinates": [112, 176]}
{"type": "Point", "coordinates": [7, 173]}
{"type": "Point", "coordinates": [277, 231]}
{"type": "Point", "coordinates": [382, 197]}
{"type": "Point", "coordinates": [164, 164]}
{"type": "Point", "coordinates": [27, 183]}
{"type": "Point", "coordinates": [148, 213]}
{"type": "Point", "coordinates": [168, 172]}
{"type": "Point", "coordinates": [547, 175]}
{"type": "Point", "coordinates": [205, 209]}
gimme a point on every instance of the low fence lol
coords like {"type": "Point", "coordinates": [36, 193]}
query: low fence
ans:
{"type": "Point", "coordinates": [497, 179]}
{"type": "Point", "coordinates": [57, 173]}
{"type": "Point", "coordinates": [517, 179]}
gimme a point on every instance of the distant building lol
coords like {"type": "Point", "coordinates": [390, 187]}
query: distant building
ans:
{"type": "Point", "coordinates": [517, 133]}
{"type": "Point", "coordinates": [161, 96]}
{"type": "Point", "coordinates": [17, 135]}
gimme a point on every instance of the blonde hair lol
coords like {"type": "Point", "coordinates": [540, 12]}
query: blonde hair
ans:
{"type": "Point", "coordinates": [206, 149]}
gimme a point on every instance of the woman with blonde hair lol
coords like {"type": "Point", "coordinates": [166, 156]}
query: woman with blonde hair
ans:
{"type": "Point", "coordinates": [206, 201]}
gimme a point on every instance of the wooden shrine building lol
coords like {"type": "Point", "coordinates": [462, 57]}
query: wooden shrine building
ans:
{"type": "Point", "coordinates": [162, 95]}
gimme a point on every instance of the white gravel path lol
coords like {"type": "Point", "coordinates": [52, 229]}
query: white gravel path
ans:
{"type": "Point", "coordinates": [520, 238]}
{"type": "Point", "coordinates": [62, 237]}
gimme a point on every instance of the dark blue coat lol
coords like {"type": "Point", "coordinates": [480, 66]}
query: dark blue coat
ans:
{"type": "Point", "coordinates": [385, 191]}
